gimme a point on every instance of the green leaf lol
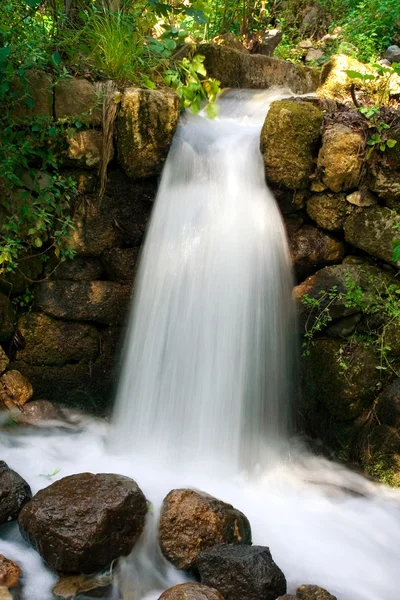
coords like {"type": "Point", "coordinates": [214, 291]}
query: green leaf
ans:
{"type": "Point", "coordinates": [212, 110]}
{"type": "Point", "coordinates": [148, 83]}
{"type": "Point", "coordinates": [38, 242]}
{"type": "Point", "coordinates": [4, 53]}
{"type": "Point", "coordinates": [391, 143]}
{"type": "Point", "coordinates": [56, 58]}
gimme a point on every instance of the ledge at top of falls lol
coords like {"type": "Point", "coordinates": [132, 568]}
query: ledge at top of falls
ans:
{"type": "Point", "coordinates": [255, 71]}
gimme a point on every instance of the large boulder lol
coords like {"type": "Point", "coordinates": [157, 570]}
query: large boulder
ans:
{"type": "Point", "coordinates": [313, 592]}
{"type": "Point", "coordinates": [311, 248]}
{"type": "Point", "coordinates": [234, 68]}
{"type": "Point", "coordinates": [39, 92]}
{"type": "Point", "coordinates": [373, 230]}
{"type": "Point", "coordinates": [328, 210]}
{"type": "Point", "coordinates": [104, 302]}
{"type": "Point", "coordinates": [335, 83]}
{"type": "Point", "coordinates": [192, 521]}
{"type": "Point", "coordinates": [15, 389]}
{"type": "Point", "coordinates": [78, 98]}
{"type": "Point", "coordinates": [15, 493]}
{"type": "Point", "coordinates": [341, 376]}
{"type": "Point", "coordinates": [145, 127]}
{"type": "Point", "coordinates": [83, 522]}
{"type": "Point", "coordinates": [288, 142]}
{"type": "Point", "coordinates": [191, 591]}
{"type": "Point", "coordinates": [7, 318]}
{"type": "Point", "coordinates": [239, 572]}
{"type": "Point", "coordinates": [51, 341]}
{"type": "Point", "coordinates": [340, 158]}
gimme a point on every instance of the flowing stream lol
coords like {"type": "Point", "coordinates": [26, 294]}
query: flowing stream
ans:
{"type": "Point", "coordinates": [206, 384]}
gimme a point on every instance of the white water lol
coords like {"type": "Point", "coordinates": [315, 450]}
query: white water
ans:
{"type": "Point", "coordinates": [324, 524]}
{"type": "Point", "coordinates": [207, 367]}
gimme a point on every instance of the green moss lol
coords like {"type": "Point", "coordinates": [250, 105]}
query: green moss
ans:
{"type": "Point", "coordinates": [288, 142]}
{"type": "Point", "coordinates": [381, 455]}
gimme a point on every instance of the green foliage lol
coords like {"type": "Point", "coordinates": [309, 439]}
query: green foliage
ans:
{"type": "Point", "coordinates": [382, 299]}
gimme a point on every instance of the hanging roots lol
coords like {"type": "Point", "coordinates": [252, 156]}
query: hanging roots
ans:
{"type": "Point", "coordinates": [111, 99]}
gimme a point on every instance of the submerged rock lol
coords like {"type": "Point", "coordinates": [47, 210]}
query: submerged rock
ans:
{"type": "Point", "coordinates": [192, 521]}
{"type": "Point", "coordinates": [313, 592]}
{"type": "Point", "coordinates": [15, 493]}
{"type": "Point", "coordinates": [288, 142]}
{"type": "Point", "coordinates": [239, 572]}
{"type": "Point", "coordinates": [373, 230]}
{"type": "Point", "coordinates": [83, 522]}
{"type": "Point", "coordinates": [145, 127]}
{"type": "Point", "coordinates": [69, 587]}
{"type": "Point", "coordinates": [311, 248]}
{"type": "Point", "coordinates": [191, 591]}
{"type": "Point", "coordinates": [340, 159]}
{"type": "Point", "coordinates": [38, 412]}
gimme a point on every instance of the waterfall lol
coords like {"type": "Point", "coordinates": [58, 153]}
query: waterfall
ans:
{"type": "Point", "coordinates": [207, 360]}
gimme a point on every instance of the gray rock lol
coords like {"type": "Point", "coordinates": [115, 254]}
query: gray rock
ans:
{"type": "Point", "coordinates": [392, 54]}
{"type": "Point", "coordinates": [270, 40]}
{"type": "Point", "coordinates": [15, 492]}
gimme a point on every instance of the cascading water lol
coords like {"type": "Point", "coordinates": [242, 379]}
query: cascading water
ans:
{"type": "Point", "coordinates": [205, 385]}
{"type": "Point", "coordinates": [206, 375]}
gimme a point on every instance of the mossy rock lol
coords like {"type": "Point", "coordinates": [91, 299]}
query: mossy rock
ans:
{"type": "Point", "coordinates": [381, 456]}
{"type": "Point", "coordinates": [289, 140]}
{"type": "Point", "coordinates": [374, 230]}
{"type": "Point", "coordinates": [145, 127]}
{"type": "Point", "coordinates": [55, 342]}
{"type": "Point", "coordinates": [342, 376]}
{"type": "Point", "coordinates": [329, 211]}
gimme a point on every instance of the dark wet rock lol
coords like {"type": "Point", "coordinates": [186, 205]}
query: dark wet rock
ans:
{"type": "Point", "coordinates": [329, 211]}
{"type": "Point", "coordinates": [191, 591]}
{"type": "Point", "coordinates": [15, 389]}
{"type": "Point", "coordinates": [344, 327]}
{"type": "Point", "coordinates": [340, 158]}
{"type": "Point", "coordinates": [79, 269]}
{"type": "Point", "coordinates": [102, 302]}
{"type": "Point", "coordinates": [311, 248]}
{"type": "Point", "coordinates": [82, 523]}
{"type": "Point", "coordinates": [7, 318]}
{"type": "Point", "coordinates": [146, 124]}
{"type": "Point", "coordinates": [341, 376]}
{"type": "Point", "coordinates": [388, 405]}
{"type": "Point", "coordinates": [238, 69]}
{"type": "Point", "coordinates": [75, 97]}
{"type": "Point", "coordinates": [288, 143]}
{"type": "Point", "coordinates": [14, 493]}
{"type": "Point", "coordinates": [374, 231]}
{"type": "Point", "coordinates": [239, 572]}
{"type": "Point", "coordinates": [29, 271]}
{"type": "Point", "coordinates": [192, 521]}
{"type": "Point", "coordinates": [51, 341]}
{"type": "Point", "coordinates": [313, 592]}
{"type": "Point", "coordinates": [120, 263]}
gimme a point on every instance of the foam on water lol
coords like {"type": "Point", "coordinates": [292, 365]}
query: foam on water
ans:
{"type": "Point", "coordinates": [206, 386]}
